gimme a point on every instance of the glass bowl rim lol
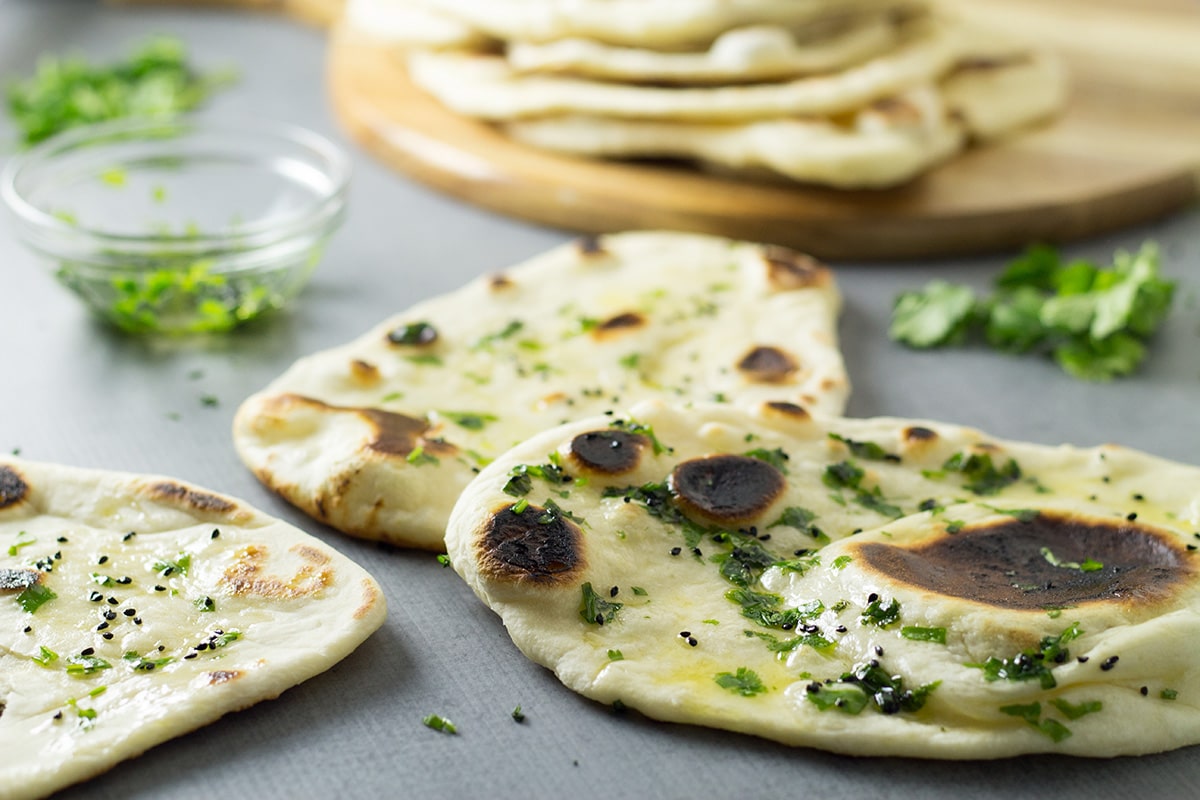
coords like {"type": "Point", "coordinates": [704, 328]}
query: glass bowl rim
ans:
{"type": "Point", "coordinates": [332, 162]}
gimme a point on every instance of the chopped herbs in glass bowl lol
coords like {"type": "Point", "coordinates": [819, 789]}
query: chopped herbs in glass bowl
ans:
{"type": "Point", "coordinates": [179, 226]}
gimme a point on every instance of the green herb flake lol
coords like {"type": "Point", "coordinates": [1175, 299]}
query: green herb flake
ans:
{"type": "Point", "coordinates": [878, 614]}
{"type": "Point", "coordinates": [1168, 694]}
{"type": "Point", "coordinates": [777, 458]}
{"type": "Point", "coordinates": [615, 655]}
{"type": "Point", "coordinates": [204, 604]}
{"type": "Point", "coordinates": [507, 332]}
{"type": "Point", "coordinates": [840, 562]}
{"type": "Point", "coordinates": [939, 314]}
{"type": "Point", "coordinates": [869, 684]}
{"type": "Point", "coordinates": [639, 591]}
{"type": "Point", "coordinates": [594, 609]}
{"type": "Point", "coordinates": [418, 457]}
{"type": "Point", "coordinates": [443, 559]}
{"type": "Point", "coordinates": [180, 565]}
{"type": "Point", "coordinates": [518, 715]}
{"type": "Point", "coordinates": [865, 450]}
{"type": "Point", "coordinates": [744, 682]}
{"type": "Point", "coordinates": [1087, 565]}
{"type": "Point", "coordinates": [919, 634]}
{"type": "Point", "coordinates": [641, 429]}
{"type": "Point", "coordinates": [1033, 664]}
{"type": "Point", "coordinates": [16, 546]}
{"type": "Point", "coordinates": [45, 657]}
{"type": "Point", "coordinates": [425, 360]}
{"type": "Point", "coordinates": [440, 724]}
{"type": "Point", "coordinates": [983, 477]}
{"type": "Point", "coordinates": [223, 638]}
{"type": "Point", "coordinates": [82, 665]}
{"type": "Point", "coordinates": [34, 597]}
{"type": "Point", "coordinates": [1074, 711]}
{"type": "Point", "coordinates": [1031, 713]}
{"type": "Point", "coordinates": [471, 420]}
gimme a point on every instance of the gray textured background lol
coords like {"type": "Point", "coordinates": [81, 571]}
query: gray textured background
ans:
{"type": "Point", "coordinates": [72, 391]}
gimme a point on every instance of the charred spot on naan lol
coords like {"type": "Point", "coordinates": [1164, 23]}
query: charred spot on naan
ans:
{"type": "Point", "coordinates": [364, 373]}
{"type": "Point", "coordinates": [607, 452]}
{"type": "Point", "coordinates": [204, 505]}
{"type": "Point", "coordinates": [532, 544]}
{"type": "Point", "coordinates": [1047, 560]}
{"type": "Point", "coordinates": [499, 282]}
{"type": "Point", "coordinates": [13, 487]}
{"type": "Point", "coordinates": [248, 575]}
{"type": "Point", "coordinates": [990, 63]}
{"type": "Point", "coordinates": [12, 580]}
{"type": "Point", "coordinates": [618, 324]}
{"type": "Point", "coordinates": [786, 410]}
{"type": "Point", "coordinates": [725, 489]}
{"type": "Point", "coordinates": [767, 364]}
{"type": "Point", "coordinates": [788, 270]}
{"type": "Point", "coordinates": [220, 676]}
{"type": "Point", "coordinates": [371, 597]}
{"type": "Point", "coordinates": [590, 246]}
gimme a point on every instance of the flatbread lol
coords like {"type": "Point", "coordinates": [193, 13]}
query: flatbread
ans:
{"type": "Point", "coordinates": [488, 88]}
{"type": "Point", "coordinates": [871, 587]}
{"type": "Point", "coordinates": [400, 23]}
{"type": "Point", "coordinates": [134, 609]}
{"type": "Point", "coordinates": [889, 142]}
{"type": "Point", "coordinates": [741, 55]}
{"type": "Point", "coordinates": [660, 24]}
{"type": "Point", "coordinates": [378, 437]}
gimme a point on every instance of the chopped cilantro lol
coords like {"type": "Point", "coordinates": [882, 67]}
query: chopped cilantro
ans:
{"type": "Point", "coordinates": [776, 458]}
{"type": "Point", "coordinates": [919, 634]}
{"type": "Point", "coordinates": [425, 360]}
{"type": "Point", "coordinates": [1032, 664]}
{"type": "Point", "coordinates": [868, 683]}
{"type": "Point", "coordinates": [1031, 713]}
{"type": "Point", "coordinates": [1087, 565]}
{"type": "Point", "coordinates": [45, 656]}
{"type": "Point", "coordinates": [937, 315]}
{"type": "Point", "coordinates": [641, 429]}
{"type": "Point", "coordinates": [438, 723]}
{"type": "Point", "coordinates": [615, 655]}
{"type": "Point", "coordinates": [639, 591]}
{"type": "Point", "coordinates": [180, 565]}
{"type": "Point", "coordinates": [867, 450]}
{"type": "Point", "coordinates": [1074, 711]}
{"type": "Point", "coordinates": [518, 715]}
{"type": "Point", "coordinates": [86, 665]}
{"type": "Point", "coordinates": [418, 457]}
{"type": "Point", "coordinates": [414, 333]}
{"type": "Point", "coordinates": [630, 361]}
{"type": "Point", "coordinates": [15, 547]}
{"type": "Point", "coordinates": [843, 475]}
{"type": "Point", "coordinates": [34, 597]}
{"type": "Point", "coordinates": [443, 559]}
{"type": "Point", "coordinates": [223, 638]}
{"type": "Point", "coordinates": [594, 609]}
{"type": "Point", "coordinates": [508, 331]}
{"type": "Point", "coordinates": [744, 682]}
{"type": "Point", "coordinates": [785, 646]}
{"type": "Point", "coordinates": [1168, 694]}
{"type": "Point", "coordinates": [764, 608]}
{"type": "Point", "coordinates": [204, 603]}
{"type": "Point", "coordinates": [983, 478]}
{"type": "Point", "coordinates": [472, 421]}
{"type": "Point", "coordinates": [520, 480]}
{"type": "Point", "coordinates": [841, 561]}
{"type": "Point", "coordinates": [876, 613]}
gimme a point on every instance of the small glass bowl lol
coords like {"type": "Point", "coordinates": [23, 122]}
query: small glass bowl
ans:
{"type": "Point", "coordinates": [179, 225]}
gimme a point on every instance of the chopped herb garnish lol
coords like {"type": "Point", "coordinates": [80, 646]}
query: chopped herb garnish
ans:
{"type": "Point", "coordinates": [764, 608]}
{"type": "Point", "coordinates": [518, 715]}
{"type": "Point", "coordinates": [594, 609]}
{"type": "Point", "coordinates": [876, 613]}
{"type": "Point", "coordinates": [784, 646]}
{"type": "Point", "coordinates": [16, 546]}
{"type": "Point", "coordinates": [509, 330]}
{"type": "Point", "coordinates": [1031, 713]}
{"type": "Point", "coordinates": [34, 597]}
{"type": "Point", "coordinates": [443, 559]}
{"type": "Point", "coordinates": [204, 603]}
{"type": "Point", "coordinates": [638, 428]}
{"type": "Point", "coordinates": [1087, 565]}
{"type": "Point", "coordinates": [1168, 694]}
{"type": "Point", "coordinates": [86, 665]}
{"type": "Point", "coordinates": [868, 683]}
{"type": "Point", "coordinates": [639, 591]}
{"type": "Point", "coordinates": [45, 656]}
{"type": "Point", "coordinates": [180, 565]}
{"type": "Point", "coordinates": [983, 478]}
{"type": "Point", "coordinates": [414, 333]}
{"type": "Point", "coordinates": [520, 480]}
{"type": "Point", "coordinates": [744, 682]}
{"type": "Point", "coordinates": [471, 420]}
{"type": "Point", "coordinates": [1074, 711]}
{"type": "Point", "coordinates": [919, 634]}
{"type": "Point", "coordinates": [841, 561]}
{"type": "Point", "coordinates": [425, 360]}
{"type": "Point", "coordinates": [615, 655]}
{"type": "Point", "coordinates": [776, 458]}
{"type": "Point", "coordinates": [1034, 664]}
{"type": "Point", "coordinates": [418, 457]}
{"type": "Point", "coordinates": [439, 724]}
{"type": "Point", "coordinates": [223, 638]}
{"type": "Point", "coordinates": [866, 450]}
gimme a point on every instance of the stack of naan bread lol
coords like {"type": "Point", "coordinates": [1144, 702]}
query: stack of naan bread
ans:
{"type": "Point", "coordinates": [845, 93]}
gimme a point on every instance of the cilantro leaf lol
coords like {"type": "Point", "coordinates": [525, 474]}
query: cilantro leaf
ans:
{"type": "Point", "coordinates": [936, 315]}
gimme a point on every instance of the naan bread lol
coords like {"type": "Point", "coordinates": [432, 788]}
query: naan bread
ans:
{"type": "Point", "coordinates": [487, 87]}
{"type": "Point", "coordinates": [873, 587]}
{"type": "Point", "coordinates": [405, 25]}
{"type": "Point", "coordinates": [639, 23]}
{"type": "Point", "coordinates": [889, 142]}
{"type": "Point", "coordinates": [378, 437]}
{"type": "Point", "coordinates": [741, 55]}
{"type": "Point", "coordinates": [135, 609]}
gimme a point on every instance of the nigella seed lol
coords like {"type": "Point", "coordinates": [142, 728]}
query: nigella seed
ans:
{"type": "Point", "coordinates": [872, 597]}
{"type": "Point", "coordinates": [1145, 690]}
{"type": "Point", "coordinates": [58, 715]}
{"type": "Point", "coordinates": [1139, 496]}
{"type": "Point", "coordinates": [102, 626]}
{"type": "Point", "coordinates": [841, 629]}
{"type": "Point", "coordinates": [160, 588]}
{"type": "Point", "coordinates": [137, 620]}
{"type": "Point", "coordinates": [692, 641]}
{"type": "Point", "coordinates": [676, 551]}
{"type": "Point", "coordinates": [28, 628]}
{"type": "Point", "coordinates": [112, 601]}
{"type": "Point", "coordinates": [879, 650]}
{"type": "Point", "coordinates": [1109, 663]}
{"type": "Point", "coordinates": [191, 655]}
{"type": "Point", "coordinates": [87, 651]}
{"type": "Point", "coordinates": [613, 591]}
{"type": "Point", "coordinates": [58, 556]}
{"type": "Point", "coordinates": [129, 612]}
{"type": "Point", "coordinates": [216, 532]}
{"type": "Point", "coordinates": [685, 634]}
{"type": "Point", "coordinates": [95, 597]}
{"type": "Point", "coordinates": [1131, 516]}
{"type": "Point", "coordinates": [1082, 659]}
{"type": "Point", "coordinates": [813, 688]}
{"type": "Point", "coordinates": [125, 581]}
{"type": "Point", "coordinates": [62, 539]}
{"type": "Point", "coordinates": [696, 551]}
{"type": "Point", "coordinates": [202, 646]}
{"type": "Point", "coordinates": [107, 634]}
{"type": "Point", "coordinates": [102, 560]}
{"type": "Point", "coordinates": [128, 536]}
{"type": "Point", "coordinates": [110, 614]}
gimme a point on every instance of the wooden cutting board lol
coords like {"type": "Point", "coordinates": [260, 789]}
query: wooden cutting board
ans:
{"type": "Point", "coordinates": [1126, 150]}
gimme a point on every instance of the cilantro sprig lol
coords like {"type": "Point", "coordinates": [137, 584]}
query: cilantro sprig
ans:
{"type": "Point", "coordinates": [1094, 321]}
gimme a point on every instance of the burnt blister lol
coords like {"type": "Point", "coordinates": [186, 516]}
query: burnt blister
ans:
{"type": "Point", "coordinates": [1047, 561]}
{"type": "Point", "coordinates": [18, 579]}
{"type": "Point", "coordinates": [789, 269]}
{"type": "Point", "coordinates": [610, 452]}
{"type": "Point", "coordinates": [399, 434]}
{"type": "Point", "coordinates": [533, 544]}
{"type": "Point", "coordinates": [12, 486]}
{"type": "Point", "coordinates": [767, 364]}
{"type": "Point", "coordinates": [619, 323]}
{"type": "Point", "coordinates": [590, 246]}
{"type": "Point", "coordinates": [726, 489]}
{"type": "Point", "coordinates": [786, 409]}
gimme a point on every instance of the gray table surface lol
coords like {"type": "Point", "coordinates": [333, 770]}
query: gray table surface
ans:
{"type": "Point", "coordinates": [73, 392]}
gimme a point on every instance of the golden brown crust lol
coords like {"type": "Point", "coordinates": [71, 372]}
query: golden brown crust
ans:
{"type": "Point", "coordinates": [618, 324]}
{"type": "Point", "coordinates": [248, 577]}
{"type": "Point", "coordinates": [220, 676]}
{"type": "Point", "coordinates": [207, 506]}
{"type": "Point", "coordinates": [787, 410]}
{"type": "Point", "coordinates": [364, 372]}
{"type": "Point", "coordinates": [788, 269]}
{"type": "Point", "coordinates": [371, 598]}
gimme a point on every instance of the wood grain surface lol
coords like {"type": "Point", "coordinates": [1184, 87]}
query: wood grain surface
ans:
{"type": "Point", "coordinates": [1126, 150]}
